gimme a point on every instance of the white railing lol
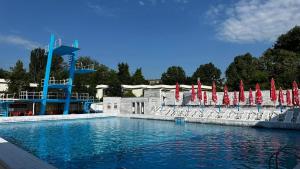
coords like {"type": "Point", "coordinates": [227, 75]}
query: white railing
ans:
{"type": "Point", "coordinates": [80, 66]}
{"type": "Point", "coordinates": [5, 97]}
{"type": "Point", "coordinates": [55, 95]}
{"type": "Point", "coordinates": [53, 81]}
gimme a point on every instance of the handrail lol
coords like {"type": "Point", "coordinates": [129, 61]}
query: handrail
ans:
{"type": "Point", "coordinates": [55, 95]}
{"type": "Point", "coordinates": [80, 66]}
{"type": "Point", "coordinates": [52, 81]}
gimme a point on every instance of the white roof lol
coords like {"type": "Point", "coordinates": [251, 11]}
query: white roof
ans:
{"type": "Point", "coordinates": [102, 86]}
{"type": "Point", "coordinates": [3, 81]}
{"type": "Point", "coordinates": [163, 87]}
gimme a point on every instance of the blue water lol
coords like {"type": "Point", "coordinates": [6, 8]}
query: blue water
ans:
{"type": "Point", "coordinates": [119, 143]}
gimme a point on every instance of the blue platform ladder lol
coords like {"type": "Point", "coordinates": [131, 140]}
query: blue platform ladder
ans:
{"type": "Point", "coordinates": [61, 50]}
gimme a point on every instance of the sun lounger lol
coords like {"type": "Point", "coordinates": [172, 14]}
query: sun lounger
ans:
{"type": "Point", "coordinates": [288, 116]}
{"type": "Point", "coordinates": [266, 115]}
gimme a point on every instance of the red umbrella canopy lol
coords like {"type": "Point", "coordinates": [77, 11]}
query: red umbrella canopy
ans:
{"type": "Point", "coordinates": [288, 98]}
{"type": "Point", "coordinates": [226, 100]}
{"type": "Point", "coordinates": [295, 94]}
{"type": "Point", "coordinates": [258, 95]}
{"type": "Point", "coordinates": [204, 97]}
{"type": "Point", "coordinates": [214, 96]}
{"type": "Point", "coordinates": [199, 91]}
{"type": "Point", "coordinates": [193, 94]}
{"type": "Point", "coordinates": [273, 91]}
{"type": "Point", "coordinates": [251, 101]}
{"type": "Point", "coordinates": [177, 91]}
{"type": "Point", "coordinates": [280, 96]}
{"type": "Point", "coordinates": [235, 99]}
{"type": "Point", "coordinates": [241, 92]}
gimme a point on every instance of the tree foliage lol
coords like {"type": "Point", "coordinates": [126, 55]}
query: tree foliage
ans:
{"type": "Point", "coordinates": [123, 73]}
{"type": "Point", "coordinates": [138, 77]}
{"type": "Point", "coordinates": [4, 74]}
{"type": "Point", "coordinates": [289, 41]}
{"type": "Point", "coordinates": [247, 68]}
{"type": "Point", "coordinates": [18, 79]}
{"type": "Point", "coordinates": [172, 75]}
{"type": "Point", "coordinates": [207, 73]}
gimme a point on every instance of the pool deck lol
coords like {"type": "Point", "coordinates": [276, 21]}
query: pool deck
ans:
{"type": "Point", "coordinates": [12, 157]}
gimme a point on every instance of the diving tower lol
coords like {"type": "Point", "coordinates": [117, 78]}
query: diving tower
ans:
{"type": "Point", "coordinates": [56, 47]}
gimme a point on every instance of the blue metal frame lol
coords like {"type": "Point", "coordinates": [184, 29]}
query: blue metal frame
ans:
{"type": "Point", "coordinates": [47, 76]}
{"type": "Point", "coordinates": [71, 77]}
{"type": "Point", "coordinates": [61, 50]}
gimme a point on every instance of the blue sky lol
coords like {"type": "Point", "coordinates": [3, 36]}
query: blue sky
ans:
{"type": "Point", "coordinates": [151, 34]}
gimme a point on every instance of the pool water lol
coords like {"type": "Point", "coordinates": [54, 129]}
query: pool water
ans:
{"type": "Point", "coordinates": [123, 143]}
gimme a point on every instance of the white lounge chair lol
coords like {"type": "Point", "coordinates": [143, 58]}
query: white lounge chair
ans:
{"type": "Point", "coordinates": [245, 115]}
{"type": "Point", "coordinates": [288, 116]}
{"type": "Point", "coordinates": [266, 115]}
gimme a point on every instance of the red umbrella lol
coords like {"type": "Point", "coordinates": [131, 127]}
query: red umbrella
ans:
{"type": "Point", "coordinates": [235, 99]}
{"type": "Point", "coordinates": [226, 99]}
{"type": "Point", "coordinates": [280, 96]}
{"type": "Point", "coordinates": [241, 93]}
{"type": "Point", "coordinates": [273, 91]}
{"type": "Point", "coordinates": [199, 91]}
{"type": "Point", "coordinates": [193, 94]}
{"type": "Point", "coordinates": [258, 95]}
{"type": "Point", "coordinates": [204, 97]}
{"type": "Point", "coordinates": [295, 94]}
{"type": "Point", "coordinates": [214, 96]}
{"type": "Point", "coordinates": [177, 92]}
{"type": "Point", "coordinates": [288, 98]}
{"type": "Point", "coordinates": [250, 97]}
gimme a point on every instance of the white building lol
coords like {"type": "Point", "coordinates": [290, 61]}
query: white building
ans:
{"type": "Point", "coordinates": [3, 85]}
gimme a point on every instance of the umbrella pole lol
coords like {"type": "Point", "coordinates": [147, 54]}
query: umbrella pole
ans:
{"type": "Point", "coordinates": [238, 106]}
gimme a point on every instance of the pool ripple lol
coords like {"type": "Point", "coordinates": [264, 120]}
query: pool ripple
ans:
{"type": "Point", "coordinates": [115, 143]}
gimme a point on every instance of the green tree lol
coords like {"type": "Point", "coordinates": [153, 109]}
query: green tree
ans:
{"type": "Point", "coordinates": [38, 62]}
{"type": "Point", "coordinates": [114, 84]}
{"type": "Point", "coordinates": [289, 41]}
{"type": "Point", "coordinates": [282, 65]}
{"type": "Point", "coordinates": [123, 73]}
{"type": "Point", "coordinates": [4, 74]}
{"type": "Point", "coordinates": [245, 67]}
{"type": "Point", "coordinates": [138, 77]}
{"type": "Point", "coordinates": [172, 75]}
{"type": "Point", "coordinates": [18, 79]}
{"type": "Point", "coordinates": [207, 73]}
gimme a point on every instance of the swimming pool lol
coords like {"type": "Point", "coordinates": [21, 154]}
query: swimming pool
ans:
{"type": "Point", "coordinates": [119, 143]}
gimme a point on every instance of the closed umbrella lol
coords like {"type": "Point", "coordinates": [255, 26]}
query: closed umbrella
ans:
{"type": "Point", "coordinates": [241, 92]}
{"type": "Point", "coordinates": [288, 98]}
{"type": "Point", "coordinates": [258, 96]}
{"type": "Point", "coordinates": [235, 99]}
{"type": "Point", "coordinates": [214, 93]}
{"type": "Point", "coordinates": [295, 94]}
{"type": "Point", "coordinates": [226, 100]}
{"type": "Point", "coordinates": [177, 92]}
{"type": "Point", "coordinates": [273, 95]}
{"type": "Point", "coordinates": [204, 98]}
{"type": "Point", "coordinates": [251, 100]}
{"type": "Point", "coordinates": [199, 91]}
{"type": "Point", "coordinates": [280, 98]}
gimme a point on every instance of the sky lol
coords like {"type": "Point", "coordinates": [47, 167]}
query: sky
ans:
{"type": "Point", "coordinates": [151, 34]}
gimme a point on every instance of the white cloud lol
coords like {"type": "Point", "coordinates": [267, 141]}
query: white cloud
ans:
{"type": "Point", "coordinates": [19, 41]}
{"type": "Point", "coordinates": [101, 10]}
{"type": "Point", "coordinates": [255, 20]}
{"type": "Point", "coordinates": [141, 3]}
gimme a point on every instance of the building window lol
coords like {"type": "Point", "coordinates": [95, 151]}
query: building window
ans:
{"type": "Point", "coordinates": [133, 108]}
{"type": "Point", "coordinates": [115, 106]}
{"type": "Point", "coordinates": [142, 107]}
{"type": "Point", "coordinates": [138, 108]}
{"type": "Point", "coordinates": [108, 106]}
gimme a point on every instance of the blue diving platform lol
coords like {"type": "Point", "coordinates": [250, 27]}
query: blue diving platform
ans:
{"type": "Point", "coordinates": [65, 85]}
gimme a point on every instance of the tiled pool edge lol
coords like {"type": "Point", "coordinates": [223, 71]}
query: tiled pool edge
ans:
{"type": "Point", "coordinates": [54, 117]}
{"type": "Point", "coordinates": [13, 157]}
{"type": "Point", "coordinates": [262, 124]}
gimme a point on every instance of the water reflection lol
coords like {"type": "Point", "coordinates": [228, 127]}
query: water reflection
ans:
{"type": "Point", "coordinates": [117, 142]}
